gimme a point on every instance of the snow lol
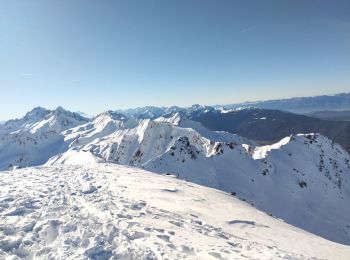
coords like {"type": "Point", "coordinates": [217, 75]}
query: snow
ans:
{"type": "Point", "coordinates": [289, 182]}
{"type": "Point", "coordinates": [75, 157]}
{"type": "Point", "coordinates": [298, 171]}
{"type": "Point", "coordinates": [106, 211]}
{"type": "Point", "coordinates": [303, 179]}
{"type": "Point", "coordinates": [36, 137]}
{"type": "Point", "coordinates": [226, 111]}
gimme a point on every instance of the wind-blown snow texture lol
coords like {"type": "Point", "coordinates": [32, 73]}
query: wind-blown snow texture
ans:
{"type": "Point", "coordinates": [303, 179]}
{"type": "Point", "coordinates": [109, 211]}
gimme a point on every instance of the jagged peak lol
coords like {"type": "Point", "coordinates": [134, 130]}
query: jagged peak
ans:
{"type": "Point", "coordinates": [115, 115]}
{"type": "Point", "coordinates": [60, 111]}
{"type": "Point", "coordinates": [36, 113]}
{"type": "Point", "coordinates": [38, 110]}
{"type": "Point", "coordinates": [174, 119]}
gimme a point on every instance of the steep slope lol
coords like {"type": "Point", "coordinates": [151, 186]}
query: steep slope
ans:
{"type": "Point", "coordinates": [103, 125]}
{"type": "Point", "coordinates": [149, 139]}
{"type": "Point", "coordinates": [287, 179]}
{"type": "Point", "coordinates": [183, 121]}
{"type": "Point", "coordinates": [26, 122]}
{"type": "Point", "coordinates": [57, 121]}
{"type": "Point", "coordinates": [41, 120]}
{"type": "Point", "coordinates": [109, 211]}
{"type": "Point", "coordinates": [36, 137]}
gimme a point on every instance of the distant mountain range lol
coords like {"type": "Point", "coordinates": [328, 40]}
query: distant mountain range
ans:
{"type": "Point", "coordinates": [268, 126]}
{"type": "Point", "coordinates": [300, 170]}
{"type": "Point", "coordinates": [301, 104]}
{"type": "Point", "coordinates": [331, 115]}
{"type": "Point", "coordinates": [265, 126]}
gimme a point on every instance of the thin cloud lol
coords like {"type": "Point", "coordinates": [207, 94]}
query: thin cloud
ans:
{"type": "Point", "coordinates": [247, 29]}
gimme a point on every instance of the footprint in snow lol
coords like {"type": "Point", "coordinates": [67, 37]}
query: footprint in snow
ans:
{"type": "Point", "coordinates": [245, 223]}
{"type": "Point", "coordinates": [170, 190]}
{"type": "Point", "coordinates": [176, 223]}
{"type": "Point", "coordinates": [187, 250]}
{"type": "Point", "coordinates": [90, 189]}
{"type": "Point", "coordinates": [136, 235]}
{"type": "Point", "coordinates": [165, 238]}
{"type": "Point", "coordinates": [216, 255]}
{"type": "Point", "coordinates": [138, 205]}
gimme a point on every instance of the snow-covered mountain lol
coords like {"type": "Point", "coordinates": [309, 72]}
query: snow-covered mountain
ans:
{"type": "Point", "coordinates": [36, 137]}
{"type": "Point", "coordinates": [151, 112]}
{"type": "Point", "coordinates": [287, 179]}
{"type": "Point", "coordinates": [108, 211]}
{"type": "Point", "coordinates": [337, 102]}
{"type": "Point", "coordinates": [102, 125]}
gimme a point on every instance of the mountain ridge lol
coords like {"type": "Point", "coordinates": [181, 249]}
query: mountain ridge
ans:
{"type": "Point", "coordinates": [297, 171]}
{"type": "Point", "coordinates": [302, 105]}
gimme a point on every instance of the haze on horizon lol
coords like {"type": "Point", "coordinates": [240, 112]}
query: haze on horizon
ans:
{"type": "Point", "coordinates": [93, 56]}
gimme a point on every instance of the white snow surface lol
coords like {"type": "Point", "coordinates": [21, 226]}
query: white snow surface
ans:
{"type": "Point", "coordinates": [75, 157]}
{"type": "Point", "coordinates": [108, 211]}
{"type": "Point", "coordinates": [303, 179]}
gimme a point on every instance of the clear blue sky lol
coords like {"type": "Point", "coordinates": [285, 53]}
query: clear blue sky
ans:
{"type": "Point", "coordinates": [96, 55]}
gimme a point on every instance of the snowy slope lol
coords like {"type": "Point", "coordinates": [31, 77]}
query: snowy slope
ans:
{"type": "Point", "coordinates": [289, 181]}
{"type": "Point", "coordinates": [103, 125]}
{"type": "Point", "coordinates": [184, 122]}
{"type": "Point", "coordinates": [44, 120]}
{"type": "Point", "coordinates": [148, 140]}
{"type": "Point", "coordinates": [32, 117]}
{"type": "Point", "coordinates": [298, 171]}
{"type": "Point", "coordinates": [75, 156]}
{"type": "Point", "coordinates": [36, 137]}
{"type": "Point", "coordinates": [303, 179]}
{"type": "Point", "coordinates": [110, 211]}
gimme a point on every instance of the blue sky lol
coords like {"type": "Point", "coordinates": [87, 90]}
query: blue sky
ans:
{"type": "Point", "coordinates": [97, 55]}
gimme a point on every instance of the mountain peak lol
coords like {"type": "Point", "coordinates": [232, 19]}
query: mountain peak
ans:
{"type": "Point", "coordinates": [36, 113]}
{"type": "Point", "coordinates": [115, 115]}
{"type": "Point", "coordinates": [60, 110]}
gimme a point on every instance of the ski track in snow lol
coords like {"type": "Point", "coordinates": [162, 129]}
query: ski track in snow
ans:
{"type": "Point", "coordinates": [116, 212]}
